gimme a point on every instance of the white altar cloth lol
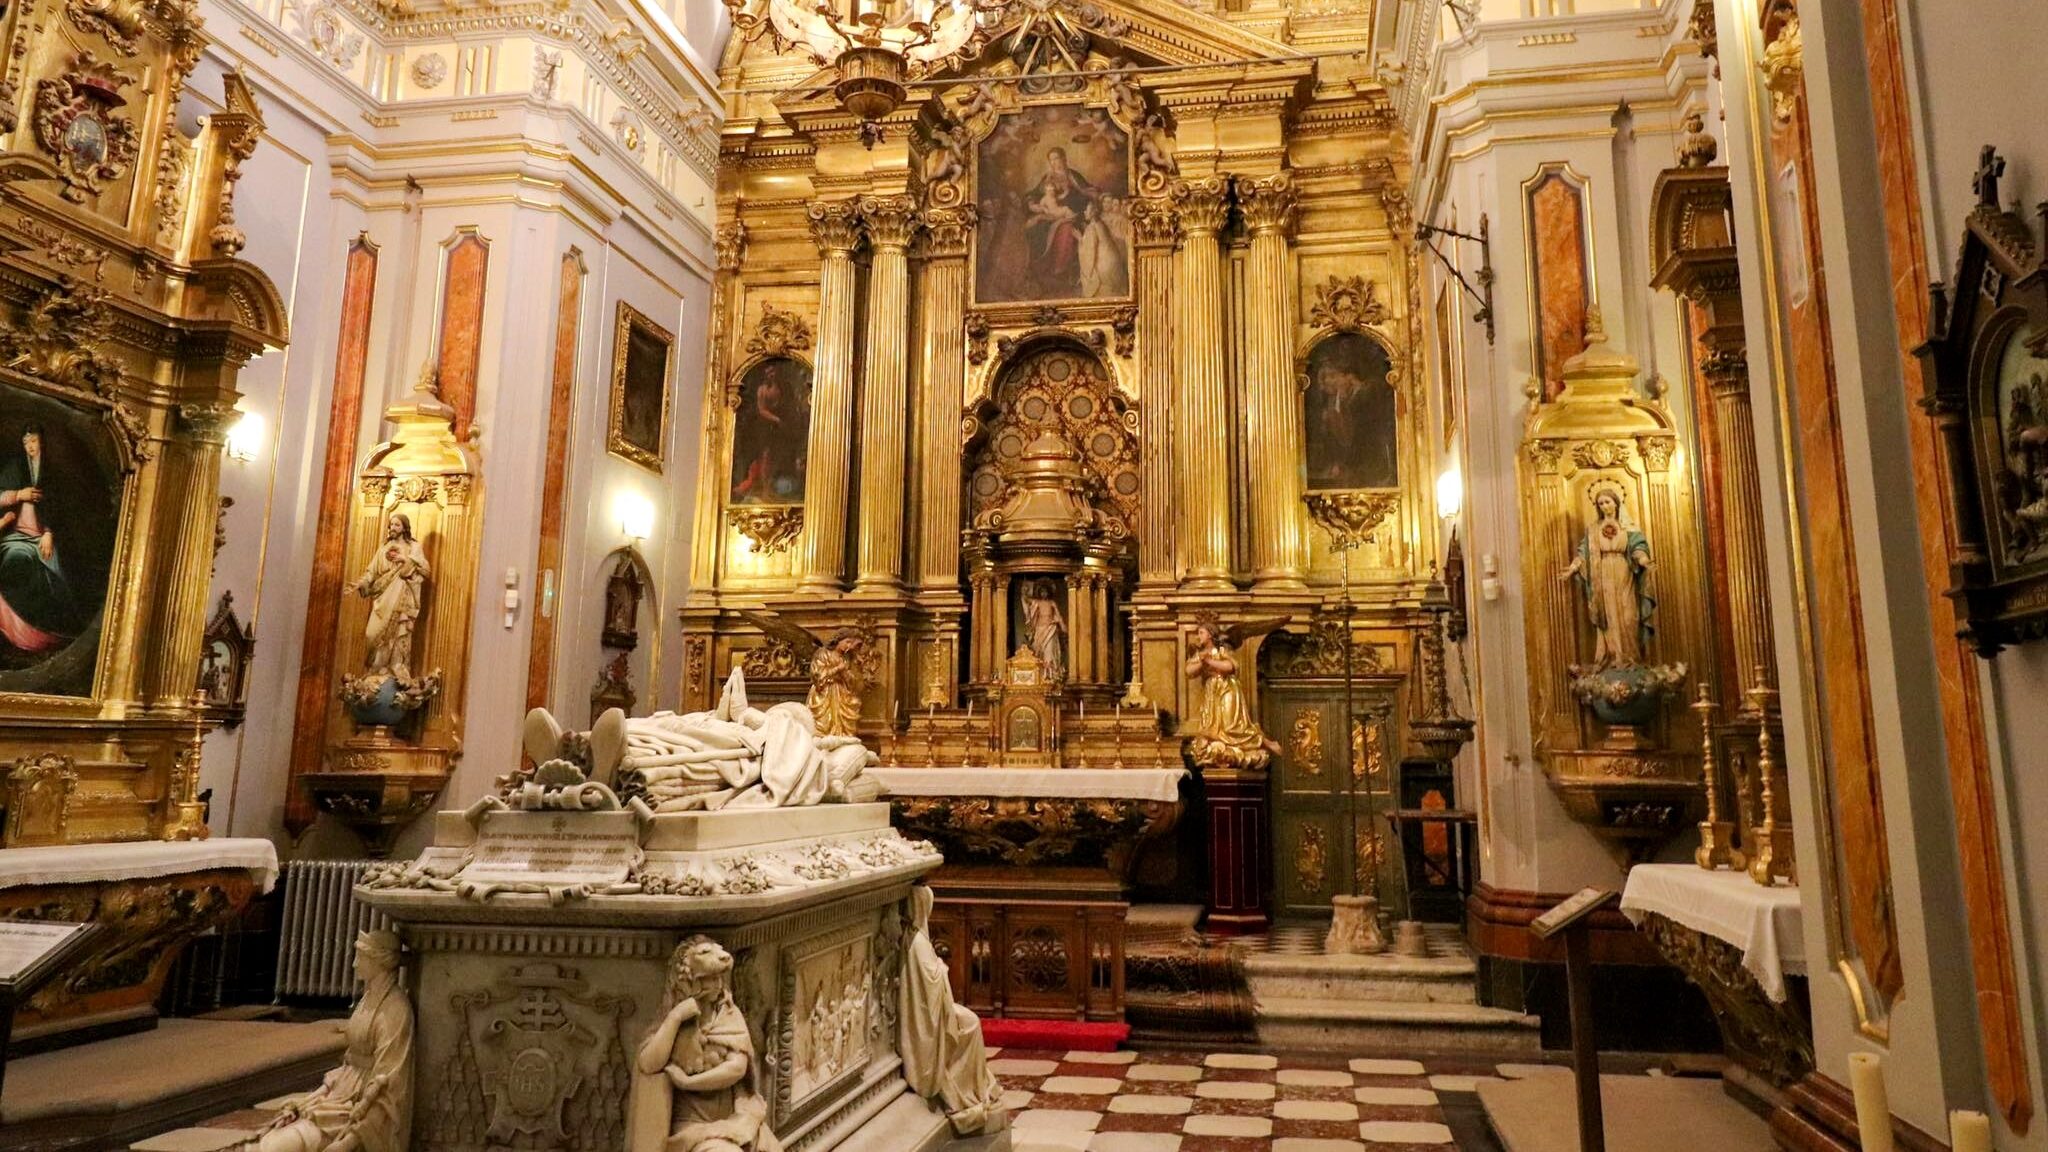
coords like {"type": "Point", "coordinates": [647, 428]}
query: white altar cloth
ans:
{"type": "Point", "coordinates": [89, 863]}
{"type": "Point", "coordinates": [1161, 784]}
{"type": "Point", "coordinates": [1763, 922]}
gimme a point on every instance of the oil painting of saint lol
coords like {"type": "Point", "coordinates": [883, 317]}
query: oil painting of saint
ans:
{"type": "Point", "coordinates": [639, 400]}
{"type": "Point", "coordinates": [1349, 428]}
{"type": "Point", "coordinates": [771, 433]}
{"type": "Point", "coordinates": [59, 494]}
{"type": "Point", "coordinates": [1052, 183]}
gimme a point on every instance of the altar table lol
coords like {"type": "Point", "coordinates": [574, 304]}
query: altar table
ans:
{"type": "Point", "coordinates": [1742, 945]}
{"type": "Point", "coordinates": [153, 896]}
{"type": "Point", "coordinates": [1158, 784]}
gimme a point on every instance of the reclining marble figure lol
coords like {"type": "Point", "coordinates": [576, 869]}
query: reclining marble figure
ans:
{"type": "Point", "coordinates": [737, 756]}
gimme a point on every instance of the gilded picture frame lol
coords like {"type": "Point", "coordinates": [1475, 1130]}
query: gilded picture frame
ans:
{"type": "Point", "coordinates": [1051, 181]}
{"type": "Point", "coordinates": [642, 354]}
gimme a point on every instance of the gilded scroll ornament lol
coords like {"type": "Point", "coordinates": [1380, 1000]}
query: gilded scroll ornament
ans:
{"type": "Point", "coordinates": [76, 123]}
{"type": "Point", "coordinates": [1369, 750]}
{"type": "Point", "coordinates": [1347, 304]}
{"type": "Point", "coordinates": [1772, 1039]}
{"type": "Point", "coordinates": [65, 337]}
{"type": "Point", "coordinates": [1352, 518]}
{"type": "Point", "coordinates": [775, 660]}
{"type": "Point", "coordinates": [1032, 831]}
{"type": "Point", "coordinates": [1312, 861]}
{"type": "Point", "coordinates": [1783, 66]}
{"type": "Point", "coordinates": [1305, 743]}
{"type": "Point", "coordinates": [1368, 850]}
{"type": "Point", "coordinates": [1321, 652]}
{"type": "Point", "coordinates": [975, 328]}
{"type": "Point", "coordinates": [770, 528]}
{"type": "Point", "coordinates": [39, 804]}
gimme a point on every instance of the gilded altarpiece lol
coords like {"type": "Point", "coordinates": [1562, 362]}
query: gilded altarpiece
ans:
{"type": "Point", "coordinates": [1057, 328]}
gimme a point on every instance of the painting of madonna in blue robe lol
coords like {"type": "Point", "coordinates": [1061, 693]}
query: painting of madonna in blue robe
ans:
{"type": "Point", "coordinates": [59, 491]}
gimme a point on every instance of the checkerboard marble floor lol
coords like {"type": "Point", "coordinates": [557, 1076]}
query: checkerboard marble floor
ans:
{"type": "Point", "coordinates": [1225, 1102]}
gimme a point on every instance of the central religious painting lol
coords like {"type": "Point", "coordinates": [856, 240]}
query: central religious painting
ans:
{"type": "Point", "coordinates": [1053, 181]}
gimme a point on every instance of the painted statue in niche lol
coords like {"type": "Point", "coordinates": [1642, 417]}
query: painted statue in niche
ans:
{"type": "Point", "coordinates": [1053, 181]}
{"type": "Point", "coordinates": [639, 396]}
{"type": "Point", "coordinates": [1349, 426]}
{"type": "Point", "coordinates": [2022, 481]}
{"type": "Point", "coordinates": [60, 491]}
{"type": "Point", "coordinates": [1040, 623]}
{"type": "Point", "coordinates": [395, 584]}
{"type": "Point", "coordinates": [771, 433]}
{"type": "Point", "coordinates": [1612, 568]}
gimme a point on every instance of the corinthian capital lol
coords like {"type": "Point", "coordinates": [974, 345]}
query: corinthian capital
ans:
{"type": "Point", "coordinates": [1203, 205]}
{"type": "Point", "coordinates": [1268, 204]}
{"type": "Point", "coordinates": [835, 225]}
{"type": "Point", "coordinates": [946, 230]}
{"type": "Point", "coordinates": [891, 220]}
{"type": "Point", "coordinates": [1154, 224]}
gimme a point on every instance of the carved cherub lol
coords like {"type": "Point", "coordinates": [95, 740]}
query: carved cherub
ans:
{"type": "Point", "coordinates": [946, 161]}
{"type": "Point", "coordinates": [977, 103]}
{"type": "Point", "coordinates": [1155, 150]}
{"type": "Point", "coordinates": [841, 665]}
{"type": "Point", "coordinates": [1224, 734]}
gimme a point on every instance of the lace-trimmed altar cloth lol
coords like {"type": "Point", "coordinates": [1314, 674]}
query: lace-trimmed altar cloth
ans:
{"type": "Point", "coordinates": [1764, 923]}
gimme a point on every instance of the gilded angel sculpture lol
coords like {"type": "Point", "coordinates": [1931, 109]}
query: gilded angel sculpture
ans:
{"type": "Point", "coordinates": [841, 665]}
{"type": "Point", "coordinates": [1224, 733]}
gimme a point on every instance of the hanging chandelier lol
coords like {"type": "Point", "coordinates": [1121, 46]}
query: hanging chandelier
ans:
{"type": "Point", "coordinates": [875, 46]}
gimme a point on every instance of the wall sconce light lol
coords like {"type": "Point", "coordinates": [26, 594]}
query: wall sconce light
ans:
{"type": "Point", "coordinates": [1450, 493]}
{"type": "Point", "coordinates": [636, 516]}
{"type": "Point", "coordinates": [245, 439]}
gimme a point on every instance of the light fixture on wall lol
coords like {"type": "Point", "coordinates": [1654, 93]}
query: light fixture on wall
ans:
{"type": "Point", "coordinates": [636, 516]}
{"type": "Point", "coordinates": [876, 46]}
{"type": "Point", "coordinates": [245, 439]}
{"type": "Point", "coordinates": [1450, 492]}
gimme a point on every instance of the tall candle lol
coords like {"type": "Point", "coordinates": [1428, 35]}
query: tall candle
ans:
{"type": "Point", "coordinates": [1969, 1131]}
{"type": "Point", "coordinates": [1873, 1108]}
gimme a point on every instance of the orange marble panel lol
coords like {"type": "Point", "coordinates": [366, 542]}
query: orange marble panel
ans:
{"type": "Point", "coordinates": [1557, 256]}
{"type": "Point", "coordinates": [540, 657]}
{"type": "Point", "coordinates": [1969, 758]}
{"type": "Point", "coordinates": [1834, 596]}
{"type": "Point", "coordinates": [1727, 675]}
{"type": "Point", "coordinates": [462, 325]}
{"type": "Point", "coordinates": [330, 532]}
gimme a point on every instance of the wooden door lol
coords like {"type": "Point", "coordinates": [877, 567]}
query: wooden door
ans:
{"type": "Point", "coordinates": [1315, 851]}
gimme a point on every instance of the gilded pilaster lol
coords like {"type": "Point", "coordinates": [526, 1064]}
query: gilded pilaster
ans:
{"type": "Point", "coordinates": [891, 222]}
{"type": "Point", "coordinates": [709, 527]}
{"type": "Point", "coordinates": [1204, 416]}
{"type": "Point", "coordinates": [942, 373]}
{"type": "Point", "coordinates": [835, 227]}
{"type": "Point", "coordinates": [1154, 231]}
{"type": "Point", "coordinates": [1272, 423]}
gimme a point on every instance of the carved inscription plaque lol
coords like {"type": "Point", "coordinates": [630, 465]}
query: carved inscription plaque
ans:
{"type": "Point", "coordinates": [595, 848]}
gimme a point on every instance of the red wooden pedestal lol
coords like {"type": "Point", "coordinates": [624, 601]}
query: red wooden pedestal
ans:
{"type": "Point", "coordinates": [1239, 861]}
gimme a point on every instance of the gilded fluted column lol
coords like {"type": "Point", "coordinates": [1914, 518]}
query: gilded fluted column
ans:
{"type": "Point", "coordinates": [191, 469]}
{"type": "Point", "coordinates": [1154, 230]}
{"type": "Point", "coordinates": [835, 226]}
{"type": "Point", "coordinates": [942, 312]}
{"type": "Point", "coordinates": [1725, 367]}
{"type": "Point", "coordinates": [885, 403]}
{"type": "Point", "coordinates": [1272, 415]}
{"type": "Point", "coordinates": [708, 532]}
{"type": "Point", "coordinates": [1202, 440]}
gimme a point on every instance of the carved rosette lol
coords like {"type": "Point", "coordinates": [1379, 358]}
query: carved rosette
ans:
{"type": "Point", "coordinates": [771, 529]}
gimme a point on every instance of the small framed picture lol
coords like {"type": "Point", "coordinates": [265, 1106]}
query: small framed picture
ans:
{"type": "Point", "coordinates": [639, 405]}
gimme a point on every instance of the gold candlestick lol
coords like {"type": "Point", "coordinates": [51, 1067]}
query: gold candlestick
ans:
{"type": "Point", "coordinates": [190, 823]}
{"type": "Point", "coordinates": [1771, 846]}
{"type": "Point", "coordinates": [1717, 836]}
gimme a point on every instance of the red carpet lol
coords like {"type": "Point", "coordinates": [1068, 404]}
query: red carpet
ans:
{"type": "Point", "coordinates": [1054, 1035]}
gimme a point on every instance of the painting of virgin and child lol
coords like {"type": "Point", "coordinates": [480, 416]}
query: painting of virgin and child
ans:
{"type": "Point", "coordinates": [59, 496]}
{"type": "Point", "coordinates": [1053, 182]}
